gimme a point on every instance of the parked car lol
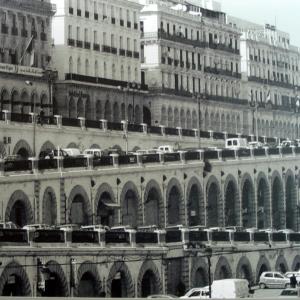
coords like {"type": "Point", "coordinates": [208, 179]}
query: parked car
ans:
{"type": "Point", "coordinates": [197, 293]}
{"type": "Point", "coordinates": [273, 280]}
{"type": "Point", "coordinates": [236, 143]}
{"type": "Point", "coordinates": [8, 225]}
{"type": "Point", "coordinates": [165, 149]}
{"type": "Point", "coordinates": [73, 152]}
{"type": "Point", "coordinates": [95, 153]}
{"type": "Point", "coordinates": [291, 273]}
{"type": "Point", "coordinates": [230, 288]}
{"type": "Point", "coordinates": [68, 227]}
{"type": "Point", "coordinates": [255, 145]}
{"type": "Point", "coordinates": [289, 293]}
{"type": "Point", "coordinates": [33, 227]}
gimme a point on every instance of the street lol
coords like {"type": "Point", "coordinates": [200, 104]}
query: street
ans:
{"type": "Point", "coordinates": [267, 293]}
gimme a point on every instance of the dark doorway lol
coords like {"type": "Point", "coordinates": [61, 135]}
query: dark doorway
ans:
{"type": "Point", "coordinates": [13, 286]}
{"type": "Point", "coordinates": [146, 115]}
{"type": "Point", "coordinates": [148, 284]}
{"type": "Point", "coordinates": [18, 214]}
{"type": "Point", "coordinates": [86, 287]}
{"type": "Point", "coordinates": [53, 287]}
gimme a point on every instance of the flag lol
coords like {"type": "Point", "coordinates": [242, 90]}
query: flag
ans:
{"type": "Point", "coordinates": [29, 49]}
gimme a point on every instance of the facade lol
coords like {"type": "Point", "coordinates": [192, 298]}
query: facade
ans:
{"type": "Point", "coordinates": [24, 25]}
{"type": "Point", "coordinates": [97, 55]}
{"type": "Point", "coordinates": [270, 68]}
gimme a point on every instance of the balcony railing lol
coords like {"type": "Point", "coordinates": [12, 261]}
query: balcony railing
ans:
{"type": "Point", "coordinates": [71, 42]}
{"type": "Point", "coordinates": [96, 47]}
{"type": "Point", "coordinates": [122, 52]}
{"type": "Point", "coordinates": [121, 22]}
{"type": "Point", "coordinates": [136, 54]}
{"type": "Point", "coordinates": [87, 45]}
{"type": "Point", "coordinates": [128, 53]}
{"type": "Point", "coordinates": [79, 44]}
{"type": "Point", "coordinates": [106, 49]}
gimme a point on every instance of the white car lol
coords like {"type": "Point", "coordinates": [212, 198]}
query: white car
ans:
{"type": "Point", "coordinates": [197, 293]}
{"type": "Point", "coordinates": [273, 280]}
{"type": "Point", "coordinates": [291, 273]}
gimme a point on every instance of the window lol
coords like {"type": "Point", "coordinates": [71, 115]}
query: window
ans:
{"type": "Point", "coordinates": [121, 42]}
{"type": "Point", "coordinates": [278, 276]}
{"type": "Point", "coordinates": [86, 37]}
{"type": "Point", "coordinates": [70, 31]}
{"type": "Point", "coordinates": [268, 275]}
{"type": "Point", "coordinates": [78, 33]}
{"type": "Point", "coordinates": [134, 45]}
{"type": "Point", "coordinates": [128, 44]}
{"type": "Point", "coordinates": [112, 40]}
{"type": "Point", "coordinates": [104, 38]}
{"type": "Point", "coordinates": [95, 37]}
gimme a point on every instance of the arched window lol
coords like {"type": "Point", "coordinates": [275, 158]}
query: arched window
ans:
{"type": "Point", "coordinates": [70, 65]}
{"type": "Point", "coordinates": [78, 65]}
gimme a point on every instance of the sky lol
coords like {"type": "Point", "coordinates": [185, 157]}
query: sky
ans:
{"type": "Point", "coordinates": [286, 14]}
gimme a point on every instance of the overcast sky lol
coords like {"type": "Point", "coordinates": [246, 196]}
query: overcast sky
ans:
{"type": "Point", "coordinates": [285, 12]}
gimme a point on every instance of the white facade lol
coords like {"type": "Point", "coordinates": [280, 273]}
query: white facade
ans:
{"type": "Point", "coordinates": [98, 39]}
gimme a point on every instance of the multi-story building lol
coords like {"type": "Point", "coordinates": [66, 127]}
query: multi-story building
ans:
{"type": "Point", "coordinates": [25, 50]}
{"type": "Point", "coordinates": [270, 68]}
{"type": "Point", "coordinates": [97, 56]}
{"type": "Point", "coordinates": [188, 49]}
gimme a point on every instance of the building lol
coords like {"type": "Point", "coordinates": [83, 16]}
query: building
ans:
{"type": "Point", "coordinates": [192, 65]}
{"type": "Point", "coordinates": [97, 56]}
{"type": "Point", "coordinates": [25, 52]}
{"type": "Point", "coordinates": [270, 68]}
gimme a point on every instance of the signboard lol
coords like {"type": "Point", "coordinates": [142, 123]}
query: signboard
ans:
{"type": "Point", "coordinates": [21, 70]}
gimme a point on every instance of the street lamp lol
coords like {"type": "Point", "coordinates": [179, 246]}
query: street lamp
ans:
{"type": "Point", "coordinates": [30, 83]}
{"type": "Point", "coordinates": [208, 253]}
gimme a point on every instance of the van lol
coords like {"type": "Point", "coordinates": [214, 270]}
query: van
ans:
{"type": "Point", "coordinates": [95, 153]}
{"type": "Point", "coordinates": [73, 152]}
{"type": "Point", "coordinates": [165, 149]}
{"type": "Point", "coordinates": [230, 288]}
{"type": "Point", "coordinates": [236, 143]}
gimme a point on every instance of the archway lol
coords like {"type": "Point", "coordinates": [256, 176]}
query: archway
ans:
{"type": "Point", "coordinates": [248, 204]}
{"type": "Point", "coordinates": [80, 211]}
{"type": "Point", "coordinates": [56, 284]}
{"type": "Point", "coordinates": [231, 203]}
{"type": "Point", "coordinates": [223, 270]}
{"type": "Point", "coordinates": [89, 283]}
{"type": "Point", "coordinates": [119, 282]}
{"type": "Point", "coordinates": [14, 281]}
{"type": "Point", "coordinates": [152, 207]}
{"type": "Point", "coordinates": [19, 209]}
{"type": "Point", "coordinates": [263, 265]}
{"type": "Point", "coordinates": [291, 203]}
{"type": "Point", "coordinates": [199, 273]}
{"type": "Point", "coordinates": [244, 270]}
{"type": "Point", "coordinates": [263, 206]}
{"type": "Point", "coordinates": [296, 263]}
{"type": "Point", "coordinates": [106, 209]}
{"type": "Point", "coordinates": [278, 215]}
{"type": "Point", "coordinates": [49, 207]}
{"type": "Point", "coordinates": [281, 264]}
{"type": "Point", "coordinates": [129, 200]}
{"type": "Point", "coordinates": [23, 149]}
{"type": "Point", "coordinates": [212, 215]}
{"type": "Point", "coordinates": [174, 205]}
{"type": "Point", "coordinates": [148, 280]}
{"type": "Point", "coordinates": [194, 206]}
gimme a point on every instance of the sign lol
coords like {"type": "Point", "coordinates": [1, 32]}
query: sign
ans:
{"type": "Point", "coordinates": [21, 70]}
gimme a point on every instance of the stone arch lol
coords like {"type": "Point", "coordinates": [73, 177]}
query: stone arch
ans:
{"type": "Point", "coordinates": [278, 210]}
{"type": "Point", "coordinates": [49, 207]}
{"type": "Point", "coordinates": [290, 201]}
{"type": "Point", "coordinates": [22, 284]}
{"type": "Point", "coordinates": [244, 270]}
{"type": "Point", "coordinates": [72, 145]}
{"type": "Point", "coordinates": [15, 102]}
{"type": "Point", "coordinates": [88, 268]}
{"type": "Point", "coordinates": [5, 100]}
{"type": "Point", "coordinates": [55, 269]}
{"type": "Point", "coordinates": [199, 273]}
{"type": "Point", "coordinates": [214, 213]}
{"type": "Point", "coordinates": [262, 266]}
{"type": "Point", "coordinates": [231, 200]}
{"type": "Point", "coordinates": [155, 286]}
{"type": "Point", "coordinates": [263, 201]}
{"type": "Point", "coordinates": [175, 205]}
{"type": "Point", "coordinates": [195, 202]}
{"type": "Point", "coordinates": [281, 264]}
{"type": "Point", "coordinates": [23, 148]}
{"type": "Point", "coordinates": [105, 204]}
{"type": "Point", "coordinates": [95, 146]}
{"type": "Point", "coordinates": [128, 287]}
{"type": "Point", "coordinates": [79, 211]}
{"type": "Point", "coordinates": [130, 205]}
{"type": "Point", "coordinates": [296, 263]}
{"type": "Point", "coordinates": [248, 201]}
{"type": "Point", "coordinates": [47, 146]}
{"type": "Point", "coordinates": [223, 269]}
{"type": "Point", "coordinates": [153, 204]}
{"type": "Point", "coordinates": [19, 209]}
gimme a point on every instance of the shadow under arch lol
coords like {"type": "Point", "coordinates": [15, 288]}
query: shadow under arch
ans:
{"type": "Point", "coordinates": [22, 284]}
{"type": "Point", "coordinates": [223, 269]}
{"type": "Point", "coordinates": [244, 270]}
{"type": "Point", "coordinates": [263, 265]}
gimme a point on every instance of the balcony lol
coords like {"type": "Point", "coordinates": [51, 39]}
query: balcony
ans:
{"type": "Point", "coordinates": [113, 20]}
{"type": "Point", "coordinates": [71, 42]}
{"type": "Point", "coordinates": [122, 52]}
{"type": "Point", "coordinates": [170, 61]}
{"type": "Point", "coordinates": [96, 47]}
{"type": "Point", "coordinates": [34, 34]}
{"type": "Point", "coordinates": [136, 54]}
{"type": "Point", "coordinates": [87, 45]}
{"type": "Point", "coordinates": [43, 36]}
{"type": "Point", "coordinates": [121, 22]}
{"type": "Point", "coordinates": [24, 33]}
{"type": "Point", "coordinates": [96, 16]}
{"type": "Point", "coordinates": [79, 44]}
{"type": "Point", "coordinates": [176, 62]}
{"type": "Point", "coordinates": [128, 24]}
{"type": "Point", "coordinates": [128, 53]}
{"type": "Point", "coordinates": [71, 10]}
{"type": "Point", "coordinates": [4, 28]}
{"type": "Point", "coordinates": [135, 26]}
{"type": "Point", "coordinates": [79, 12]}
{"type": "Point", "coordinates": [86, 14]}
{"type": "Point", "coordinates": [106, 49]}
{"type": "Point", "coordinates": [14, 31]}
{"type": "Point", "coordinates": [114, 50]}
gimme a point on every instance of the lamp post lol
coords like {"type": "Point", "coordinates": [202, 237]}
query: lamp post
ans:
{"type": "Point", "coordinates": [208, 253]}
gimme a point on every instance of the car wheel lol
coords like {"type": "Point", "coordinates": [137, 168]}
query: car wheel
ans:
{"type": "Point", "coordinates": [262, 285]}
{"type": "Point", "coordinates": [286, 285]}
